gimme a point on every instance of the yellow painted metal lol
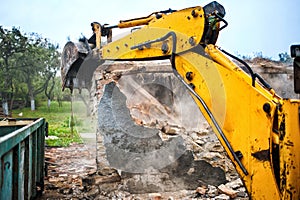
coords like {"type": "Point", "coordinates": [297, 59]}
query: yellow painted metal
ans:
{"type": "Point", "coordinates": [238, 108]}
{"type": "Point", "coordinates": [221, 59]}
{"type": "Point", "coordinates": [188, 29]}
{"type": "Point", "coordinates": [97, 32]}
{"type": "Point", "coordinates": [290, 151]}
{"type": "Point", "coordinates": [135, 22]}
{"type": "Point", "coordinates": [235, 103]}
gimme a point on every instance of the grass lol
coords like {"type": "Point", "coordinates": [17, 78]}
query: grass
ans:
{"type": "Point", "coordinates": [60, 123]}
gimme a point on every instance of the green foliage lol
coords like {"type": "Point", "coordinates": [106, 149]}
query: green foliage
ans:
{"type": "Point", "coordinates": [28, 65]}
{"type": "Point", "coordinates": [59, 121]}
{"type": "Point", "coordinates": [261, 56]}
{"type": "Point", "coordinates": [285, 57]}
{"type": "Point", "coordinates": [62, 142]}
{"type": "Point", "coordinates": [71, 121]}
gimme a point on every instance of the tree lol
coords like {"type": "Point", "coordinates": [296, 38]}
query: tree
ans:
{"type": "Point", "coordinates": [53, 66]}
{"type": "Point", "coordinates": [12, 42]}
{"type": "Point", "coordinates": [58, 91]}
{"type": "Point", "coordinates": [49, 91]}
{"type": "Point", "coordinates": [39, 66]}
{"type": "Point", "coordinates": [28, 65]}
{"type": "Point", "coordinates": [285, 57]}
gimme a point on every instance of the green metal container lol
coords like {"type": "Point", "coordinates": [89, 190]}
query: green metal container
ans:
{"type": "Point", "coordinates": [22, 143]}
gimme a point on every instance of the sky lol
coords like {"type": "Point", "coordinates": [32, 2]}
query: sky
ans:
{"type": "Point", "coordinates": [255, 26]}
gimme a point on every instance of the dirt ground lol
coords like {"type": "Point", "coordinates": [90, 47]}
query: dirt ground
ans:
{"type": "Point", "coordinates": [72, 171]}
{"type": "Point", "coordinates": [66, 168]}
{"type": "Point", "coordinates": [72, 174]}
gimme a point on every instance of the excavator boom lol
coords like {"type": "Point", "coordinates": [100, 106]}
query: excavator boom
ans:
{"type": "Point", "coordinates": [258, 129]}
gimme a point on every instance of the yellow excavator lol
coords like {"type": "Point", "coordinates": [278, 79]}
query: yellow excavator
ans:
{"type": "Point", "coordinates": [259, 130]}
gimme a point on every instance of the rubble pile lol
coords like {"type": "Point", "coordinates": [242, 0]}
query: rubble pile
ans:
{"type": "Point", "coordinates": [279, 75]}
{"type": "Point", "coordinates": [72, 174]}
{"type": "Point", "coordinates": [66, 168]}
{"type": "Point", "coordinates": [154, 133]}
{"type": "Point", "coordinates": [152, 141]}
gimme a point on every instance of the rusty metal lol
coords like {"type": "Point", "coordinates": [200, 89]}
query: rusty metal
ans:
{"type": "Point", "coordinates": [22, 158]}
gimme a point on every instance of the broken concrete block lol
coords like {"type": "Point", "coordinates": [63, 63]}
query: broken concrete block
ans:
{"type": "Point", "coordinates": [222, 197]}
{"type": "Point", "coordinates": [168, 130]}
{"type": "Point", "coordinates": [106, 179]}
{"type": "Point", "coordinates": [201, 190]}
{"type": "Point", "coordinates": [235, 184]}
{"type": "Point", "coordinates": [225, 190]}
{"type": "Point", "coordinates": [130, 147]}
{"type": "Point", "coordinates": [155, 196]}
{"type": "Point", "coordinates": [212, 191]}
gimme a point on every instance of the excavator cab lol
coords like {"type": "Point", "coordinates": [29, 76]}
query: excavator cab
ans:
{"type": "Point", "coordinates": [295, 53]}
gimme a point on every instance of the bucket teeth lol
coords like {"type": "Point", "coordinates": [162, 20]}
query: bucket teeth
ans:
{"type": "Point", "coordinates": [78, 64]}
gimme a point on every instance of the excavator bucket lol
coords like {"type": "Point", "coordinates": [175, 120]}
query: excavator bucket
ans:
{"type": "Point", "coordinates": [78, 65]}
{"type": "Point", "coordinates": [80, 60]}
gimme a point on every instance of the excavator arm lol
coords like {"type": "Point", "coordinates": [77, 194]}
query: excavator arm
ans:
{"type": "Point", "coordinates": [191, 26]}
{"type": "Point", "coordinates": [258, 129]}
